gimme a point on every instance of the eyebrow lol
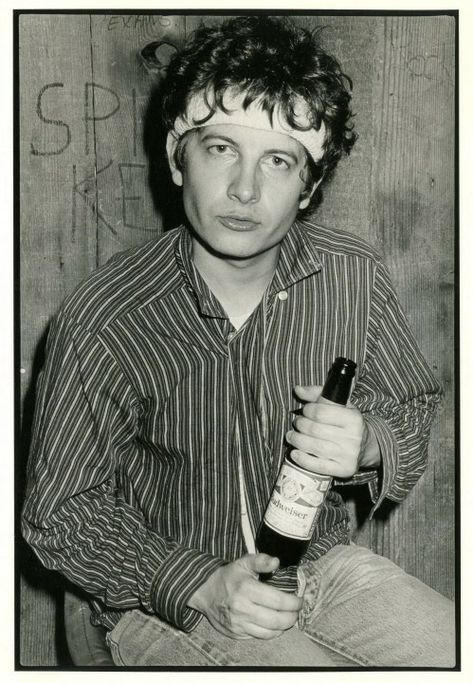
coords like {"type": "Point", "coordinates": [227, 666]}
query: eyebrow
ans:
{"type": "Point", "coordinates": [275, 151]}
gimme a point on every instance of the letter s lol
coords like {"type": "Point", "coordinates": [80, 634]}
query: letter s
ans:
{"type": "Point", "coordinates": [52, 122]}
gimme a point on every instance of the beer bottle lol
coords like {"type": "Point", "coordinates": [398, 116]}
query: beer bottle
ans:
{"type": "Point", "coordinates": [297, 497]}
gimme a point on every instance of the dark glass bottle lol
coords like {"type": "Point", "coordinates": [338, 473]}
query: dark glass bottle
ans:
{"type": "Point", "coordinates": [292, 512]}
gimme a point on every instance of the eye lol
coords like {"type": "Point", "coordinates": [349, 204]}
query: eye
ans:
{"type": "Point", "coordinates": [278, 162]}
{"type": "Point", "coordinates": [219, 149]}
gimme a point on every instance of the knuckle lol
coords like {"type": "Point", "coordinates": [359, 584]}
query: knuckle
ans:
{"type": "Point", "coordinates": [225, 616]}
{"type": "Point", "coordinates": [298, 440]}
{"type": "Point", "coordinates": [299, 423]}
{"type": "Point", "coordinates": [310, 410]}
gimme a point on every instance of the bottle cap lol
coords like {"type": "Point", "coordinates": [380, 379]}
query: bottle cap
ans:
{"type": "Point", "coordinates": [345, 366]}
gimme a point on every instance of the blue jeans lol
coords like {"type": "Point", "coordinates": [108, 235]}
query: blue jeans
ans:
{"type": "Point", "coordinates": [359, 609]}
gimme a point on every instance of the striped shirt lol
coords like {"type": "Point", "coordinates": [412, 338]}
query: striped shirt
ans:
{"type": "Point", "coordinates": [150, 399]}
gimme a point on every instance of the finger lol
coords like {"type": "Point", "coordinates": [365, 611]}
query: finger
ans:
{"type": "Point", "coordinates": [268, 596]}
{"type": "Point", "coordinates": [261, 633]}
{"type": "Point", "coordinates": [308, 392]}
{"type": "Point", "coordinates": [322, 448]}
{"type": "Point", "coordinates": [271, 619]}
{"type": "Point", "coordinates": [317, 465]}
{"type": "Point", "coordinates": [260, 563]}
{"type": "Point", "coordinates": [305, 425]}
{"type": "Point", "coordinates": [335, 415]}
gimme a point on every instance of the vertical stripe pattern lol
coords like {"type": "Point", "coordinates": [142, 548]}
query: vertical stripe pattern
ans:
{"type": "Point", "coordinates": [149, 398]}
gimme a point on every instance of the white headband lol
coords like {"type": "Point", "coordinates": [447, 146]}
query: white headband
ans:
{"type": "Point", "coordinates": [253, 116]}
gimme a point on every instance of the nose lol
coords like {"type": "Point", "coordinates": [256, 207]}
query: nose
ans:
{"type": "Point", "coordinates": [244, 184]}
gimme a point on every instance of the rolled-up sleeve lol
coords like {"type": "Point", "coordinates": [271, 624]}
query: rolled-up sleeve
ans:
{"type": "Point", "coordinates": [397, 394]}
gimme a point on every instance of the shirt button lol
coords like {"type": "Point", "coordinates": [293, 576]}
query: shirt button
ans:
{"type": "Point", "coordinates": [282, 295]}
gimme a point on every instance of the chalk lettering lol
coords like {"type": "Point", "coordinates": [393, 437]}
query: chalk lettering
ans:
{"type": "Point", "coordinates": [113, 21]}
{"type": "Point", "coordinates": [52, 122]}
{"type": "Point", "coordinates": [90, 105]}
{"type": "Point", "coordinates": [132, 21]}
{"type": "Point", "coordinates": [80, 188]}
{"type": "Point", "coordinates": [122, 167]}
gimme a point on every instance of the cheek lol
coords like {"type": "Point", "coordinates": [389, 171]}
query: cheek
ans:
{"type": "Point", "coordinates": [203, 182]}
{"type": "Point", "coordinates": [285, 202]}
{"type": "Point", "coordinates": [198, 197]}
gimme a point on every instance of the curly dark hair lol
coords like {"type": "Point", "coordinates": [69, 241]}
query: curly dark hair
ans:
{"type": "Point", "coordinates": [268, 58]}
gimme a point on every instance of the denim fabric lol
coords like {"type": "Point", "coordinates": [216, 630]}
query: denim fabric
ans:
{"type": "Point", "coordinates": [86, 643]}
{"type": "Point", "coordinates": [359, 609]}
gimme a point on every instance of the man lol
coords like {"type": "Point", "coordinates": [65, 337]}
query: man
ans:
{"type": "Point", "coordinates": [179, 374]}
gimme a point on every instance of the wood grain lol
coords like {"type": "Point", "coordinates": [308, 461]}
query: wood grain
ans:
{"type": "Point", "coordinates": [57, 244]}
{"type": "Point", "coordinates": [88, 190]}
{"type": "Point", "coordinates": [413, 220]}
{"type": "Point", "coordinates": [127, 212]}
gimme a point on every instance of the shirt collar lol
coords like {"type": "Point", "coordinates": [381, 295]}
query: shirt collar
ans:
{"type": "Point", "coordinates": [298, 259]}
{"type": "Point", "coordinates": [207, 302]}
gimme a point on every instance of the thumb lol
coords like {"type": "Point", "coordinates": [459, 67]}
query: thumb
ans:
{"type": "Point", "coordinates": [261, 563]}
{"type": "Point", "coordinates": [308, 393]}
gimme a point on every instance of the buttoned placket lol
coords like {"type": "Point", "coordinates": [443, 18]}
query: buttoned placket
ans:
{"type": "Point", "coordinates": [265, 315]}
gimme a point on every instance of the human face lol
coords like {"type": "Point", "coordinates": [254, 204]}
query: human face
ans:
{"type": "Point", "coordinates": [242, 188]}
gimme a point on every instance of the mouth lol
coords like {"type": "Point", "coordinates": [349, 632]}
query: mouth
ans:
{"type": "Point", "coordinates": [238, 223]}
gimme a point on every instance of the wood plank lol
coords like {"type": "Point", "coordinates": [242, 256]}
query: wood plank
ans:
{"type": "Point", "coordinates": [123, 80]}
{"type": "Point", "coordinates": [57, 245]}
{"type": "Point", "coordinates": [57, 233]}
{"type": "Point", "coordinates": [353, 41]}
{"type": "Point", "coordinates": [412, 199]}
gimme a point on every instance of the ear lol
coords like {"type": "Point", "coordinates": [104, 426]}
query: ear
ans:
{"type": "Point", "coordinates": [307, 196]}
{"type": "Point", "coordinates": [171, 144]}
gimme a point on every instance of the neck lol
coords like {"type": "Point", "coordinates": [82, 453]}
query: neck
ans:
{"type": "Point", "coordinates": [238, 284]}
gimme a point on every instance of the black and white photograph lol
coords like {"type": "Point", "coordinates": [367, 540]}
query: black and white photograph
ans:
{"type": "Point", "coordinates": [236, 340]}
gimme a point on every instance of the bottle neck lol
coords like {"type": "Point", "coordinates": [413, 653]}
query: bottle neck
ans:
{"type": "Point", "coordinates": [337, 388]}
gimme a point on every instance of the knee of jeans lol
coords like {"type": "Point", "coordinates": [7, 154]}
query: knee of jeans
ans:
{"type": "Point", "coordinates": [345, 572]}
{"type": "Point", "coordinates": [358, 561]}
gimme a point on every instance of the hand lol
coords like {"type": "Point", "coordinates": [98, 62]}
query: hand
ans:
{"type": "Point", "coordinates": [239, 606]}
{"type": "Point", "coordinates": [331, 439]}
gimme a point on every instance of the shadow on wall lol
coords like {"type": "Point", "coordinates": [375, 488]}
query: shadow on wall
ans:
{"type": "Point", "coordinates": [166, 195]}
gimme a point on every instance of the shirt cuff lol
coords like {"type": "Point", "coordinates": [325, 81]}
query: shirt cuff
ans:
{"type": "Point", "coordinates": [284, 579]}
{"type": "Point", "coordinates": [178, 578]}
{"type": "Point", "coordinates": [381, 486]}
{"type": "Point", "coordinates": [380, 480]}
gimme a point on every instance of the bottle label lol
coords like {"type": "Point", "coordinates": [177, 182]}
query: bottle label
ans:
{"type": "Point", "coordinates": [295, 501]}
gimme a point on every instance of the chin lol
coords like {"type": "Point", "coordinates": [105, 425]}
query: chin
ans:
{"type": "Point", "coordinates": [231, 250]}
{"type": "Point", "coordinates": [233, 254]}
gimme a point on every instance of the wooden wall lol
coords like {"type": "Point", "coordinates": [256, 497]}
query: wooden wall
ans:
{"type": "Point", "coordinates": [85, 127]}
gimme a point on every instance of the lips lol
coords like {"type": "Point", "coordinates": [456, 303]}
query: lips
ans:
{"type": "Point", "coordinates": [238, 223]}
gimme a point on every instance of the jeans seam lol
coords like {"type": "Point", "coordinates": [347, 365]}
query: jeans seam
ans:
{"type": "Point", "coordinates": [332, 645]}
{"type": "Point", "coordinates": [114, 645]}
{"type": "Point", "coordinates": [203, 651]}
{"type": "Point", "coordinates": [115, 651]}
{"type": "Point", "coordinates": [84, 631]}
